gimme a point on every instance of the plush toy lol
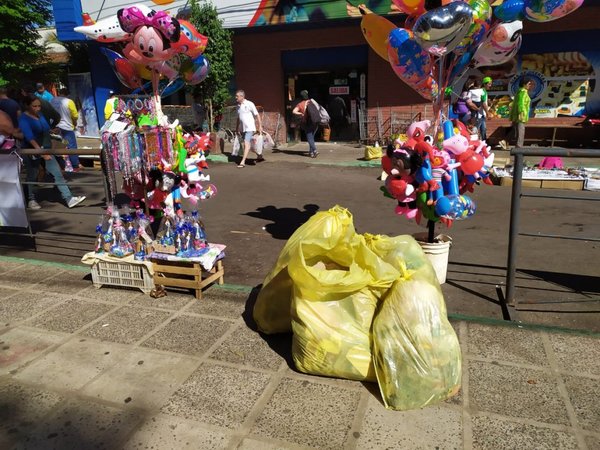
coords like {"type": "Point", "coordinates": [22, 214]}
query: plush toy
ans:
{"type": "Point", "coordinates": [401, 165]}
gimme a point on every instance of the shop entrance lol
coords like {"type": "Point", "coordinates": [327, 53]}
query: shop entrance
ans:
{"type": "Point", "coordinates": [334, 77]}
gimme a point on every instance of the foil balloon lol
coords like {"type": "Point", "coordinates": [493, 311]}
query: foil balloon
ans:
{"type": "Point", "coordinates": [500, 45]}
{"type": "Point", "coordinates": [409, 61]}
{"type": "Point", "coordinates": [440, 30]}
{"type": "Point", "coordinates": [165, 87]}
{"type": "Point", "coordinates": [123, 68]}
{"type": "Point", "coordinates": [105, 30]}
{"type": "Point", "coordinates": [510, 10]}
{"type": "Point", "coordinates": [190, 43]}
{"type": "Point", "coordinates": [482, 18]}
{"type": "Point", "coordinates": [169, 68]}
{"type": "Point", "coordinates": [194, 71]}
{"type": "Point", "coordinates": [376, 30]}
{"type": "Point", "coordinates": [411, 7]}
{"type": "Point", "coordinates": [153, 34]}
{"type": "Point", "coordinates": [548, 10]}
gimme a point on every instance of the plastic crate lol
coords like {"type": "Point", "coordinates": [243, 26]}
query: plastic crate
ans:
{"type": "Point", "coordinates": [122, 274]}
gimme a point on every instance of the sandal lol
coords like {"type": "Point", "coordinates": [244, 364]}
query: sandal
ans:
{"type": "Point", "coordinates": [241, 166]}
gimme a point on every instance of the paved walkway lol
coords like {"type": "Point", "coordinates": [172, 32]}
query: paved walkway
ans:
{"type": "Point", "coordinates": [84, 368]}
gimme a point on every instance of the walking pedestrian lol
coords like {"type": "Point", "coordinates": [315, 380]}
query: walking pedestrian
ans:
{"type": "Point", "coordinates": [66, 126]}
{"type": "Point", "coordinates": [475, 103]}
{"type": "Point", "coordinates": [486, 84]}
{"type": "Point", "coordinates": [309, 121]}
{"type": "Point", "coordinates": [36, 133]}
{"type": "Point", "coordinates": [519, 112]}
{"type": "Point", "coordinates": [247, 118]}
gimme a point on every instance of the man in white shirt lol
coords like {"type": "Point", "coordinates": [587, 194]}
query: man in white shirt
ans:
{"type": "Point", "coordinates": [247, 113]}
{"type": "Point", "coordinates": [68, 119]}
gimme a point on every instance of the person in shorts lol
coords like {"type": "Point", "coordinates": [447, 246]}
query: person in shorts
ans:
{"type": "Point", "coordinates": [246, 123]}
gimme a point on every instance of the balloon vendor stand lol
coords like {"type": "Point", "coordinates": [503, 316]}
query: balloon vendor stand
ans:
{"type": "Point", "coordinates": [163, 173]}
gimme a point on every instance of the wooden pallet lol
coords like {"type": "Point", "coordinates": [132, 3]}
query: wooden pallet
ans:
{"type": "Point", "coordinates": [186, 275]}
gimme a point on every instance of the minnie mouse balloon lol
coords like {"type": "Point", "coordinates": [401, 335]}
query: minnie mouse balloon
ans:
{"type": "Point", "coordinates": [440, 30]}
{"type": "Point", "coordinates": [153, 34]}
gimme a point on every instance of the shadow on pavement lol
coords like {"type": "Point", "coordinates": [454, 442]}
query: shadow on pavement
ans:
{"type": "Point", "coordinates": [285, 221]}
{"type": "Point", "coordinates": [280, 343]}
{"type": "Point", "coordinates": [575, 282]}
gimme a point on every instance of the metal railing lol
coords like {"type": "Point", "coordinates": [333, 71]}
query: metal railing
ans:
{"type": "Point", "coordinates": [515, 209]}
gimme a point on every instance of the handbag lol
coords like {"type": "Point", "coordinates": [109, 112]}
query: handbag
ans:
{"type": "Point", "coordinates": [236, 146]}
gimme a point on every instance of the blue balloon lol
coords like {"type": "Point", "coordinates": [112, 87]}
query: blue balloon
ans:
{"type": "Point", "coordinates": [510, 10]}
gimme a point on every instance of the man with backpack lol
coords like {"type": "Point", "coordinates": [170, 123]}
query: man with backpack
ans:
{"type": "Point", "coordinates": [311, 118]}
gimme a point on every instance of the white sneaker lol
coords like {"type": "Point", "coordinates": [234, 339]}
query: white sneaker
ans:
{"type": "Point", "coordinates": [32, 204]}
{"type": "Point", "coordinates": [74, 201]}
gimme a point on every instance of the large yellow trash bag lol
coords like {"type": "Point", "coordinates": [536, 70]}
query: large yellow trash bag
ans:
{"type": "Point", "coordinates": [335, 295]}
{"type": "Point", "coordinates": [272, 309]}
{"type": "Point", "coordinates": [416, 352]}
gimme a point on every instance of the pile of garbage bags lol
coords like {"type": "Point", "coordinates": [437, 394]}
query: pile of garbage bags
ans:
{"type": "Point", "coordinates": [362, 307]}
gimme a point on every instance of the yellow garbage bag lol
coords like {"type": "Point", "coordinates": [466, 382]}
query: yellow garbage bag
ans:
{"type": "Point", "coordinates": [335, 295]}
{"type": "Point", "coordinates": [373, 152]}
{"type": "Point", "coordinates": [272, 309]}
{"type": "Point", "coordinates": [416, 352]}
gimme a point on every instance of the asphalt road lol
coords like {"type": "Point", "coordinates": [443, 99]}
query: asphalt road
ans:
{"type": "Point", "coordinates": [258, 207]}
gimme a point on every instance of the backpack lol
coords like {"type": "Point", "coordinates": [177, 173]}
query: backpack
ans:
{"type": "Point", "coordinates": [324, 118]}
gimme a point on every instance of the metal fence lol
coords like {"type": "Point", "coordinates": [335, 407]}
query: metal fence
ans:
{"type": "Point", "coordinates": [381, 124]}
{"type": "Point", "coordinates": [509, 298]}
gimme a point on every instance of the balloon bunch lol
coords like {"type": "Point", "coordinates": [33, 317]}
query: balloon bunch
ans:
{"type": "Point", "coordinates": [436, 46]}
{"type": "Point", "coordinates": [156, 45]}
{"type": "Point", "coordinates": [430, 182]}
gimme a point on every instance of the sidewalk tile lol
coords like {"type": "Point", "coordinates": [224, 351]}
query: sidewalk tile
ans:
{"type": "Point", "coordinates": [515, 392]}
{"type": "Point", "coordinates": [6, 266]}
{"type": "Point", "coordinates": [506, 344]}
{"type": "Point", "coordinates": [490, 433]}
{"type": "Point", "coordinates": [142, 379]}
{"type": "Point", "coordinates": [173, 301]}
{"type": "Point", "coordinates": [248, 348]}
{"type": "Point", "coordinates": [307, 413]}
{"type": "Point", "coordinates": [217, 395]}
{"type": "Point", "coordinates": [71, 316]}
{"type": "Point", "coordinates": [220, 303]}
{"type": "Point", "coordinates": [109, 294]}
{"type": "Point", "coordinates": [26, 276]}
{"type": "Point", "coordinates": [126, 325]}
{"type": "Point", "coordinates": [432, 427]}
{"type": "Point", "coordinates": [258, 444]}
{"type": "Point", "coordinates": [67, 282]}
{"type": "Point", "coordinates": [79, 424]}
{"type": "Point", "coordinates": [584, 394]}
{"type": "Point", "coordinates": [593, 442]}
{"type": "Point", "coordinates": [189, 335]}
{"type": "Point", "coordinates": [166, 432]}
{"type": "Point", "coordinates": [576, 354]}
{"type": "Point", "coordinates": [72, 365]}
{"type": "Point", "coordinates": [21, 407]}
{"type": "Point", "coordinates": [19, 346]}
{"type": "Point", "coordinates": [7, 292]}
{"type": "Point", "coordinates": [24, 305]}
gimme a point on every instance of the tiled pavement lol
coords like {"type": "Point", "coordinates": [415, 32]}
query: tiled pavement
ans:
{"type": "Point", "coordinates": [85, 368]}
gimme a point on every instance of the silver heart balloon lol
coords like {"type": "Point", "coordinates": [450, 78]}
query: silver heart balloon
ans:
{"type": "Point", "coordinates": [440, 30]}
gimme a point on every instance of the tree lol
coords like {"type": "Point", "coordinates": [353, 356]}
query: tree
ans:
{"type": "Point", "coordinates": [19, 20]}
{"type": "Point", "coordinates": [219, 52]}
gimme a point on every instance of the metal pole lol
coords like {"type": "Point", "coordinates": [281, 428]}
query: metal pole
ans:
{"type": "Point", "coordinates": [515, 207]}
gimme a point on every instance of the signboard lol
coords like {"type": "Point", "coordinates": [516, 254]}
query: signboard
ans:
{"type": "Point", "coordinates": [339, 90]}
{"type": "Point", "coordinates": [235, 14]}
{"type": "Point", "coordinates": [80, 88]}
{"type": "Point", "coordinates": [562, 85]}
{"type": "Point", "coordinates": [352, 111]}
{"type": "Point", "coordinates": [363, 85]}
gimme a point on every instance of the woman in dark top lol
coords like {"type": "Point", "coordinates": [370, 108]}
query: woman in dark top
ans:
{"type": "Point", "coordinates": [36, 132]}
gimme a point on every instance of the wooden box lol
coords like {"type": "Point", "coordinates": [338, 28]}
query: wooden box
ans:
{"type": "Point", "coordinates": [187, 275]}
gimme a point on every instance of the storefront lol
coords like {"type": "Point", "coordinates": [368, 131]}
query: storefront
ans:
{"type": "Point", "coordinates": [284, 47]}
